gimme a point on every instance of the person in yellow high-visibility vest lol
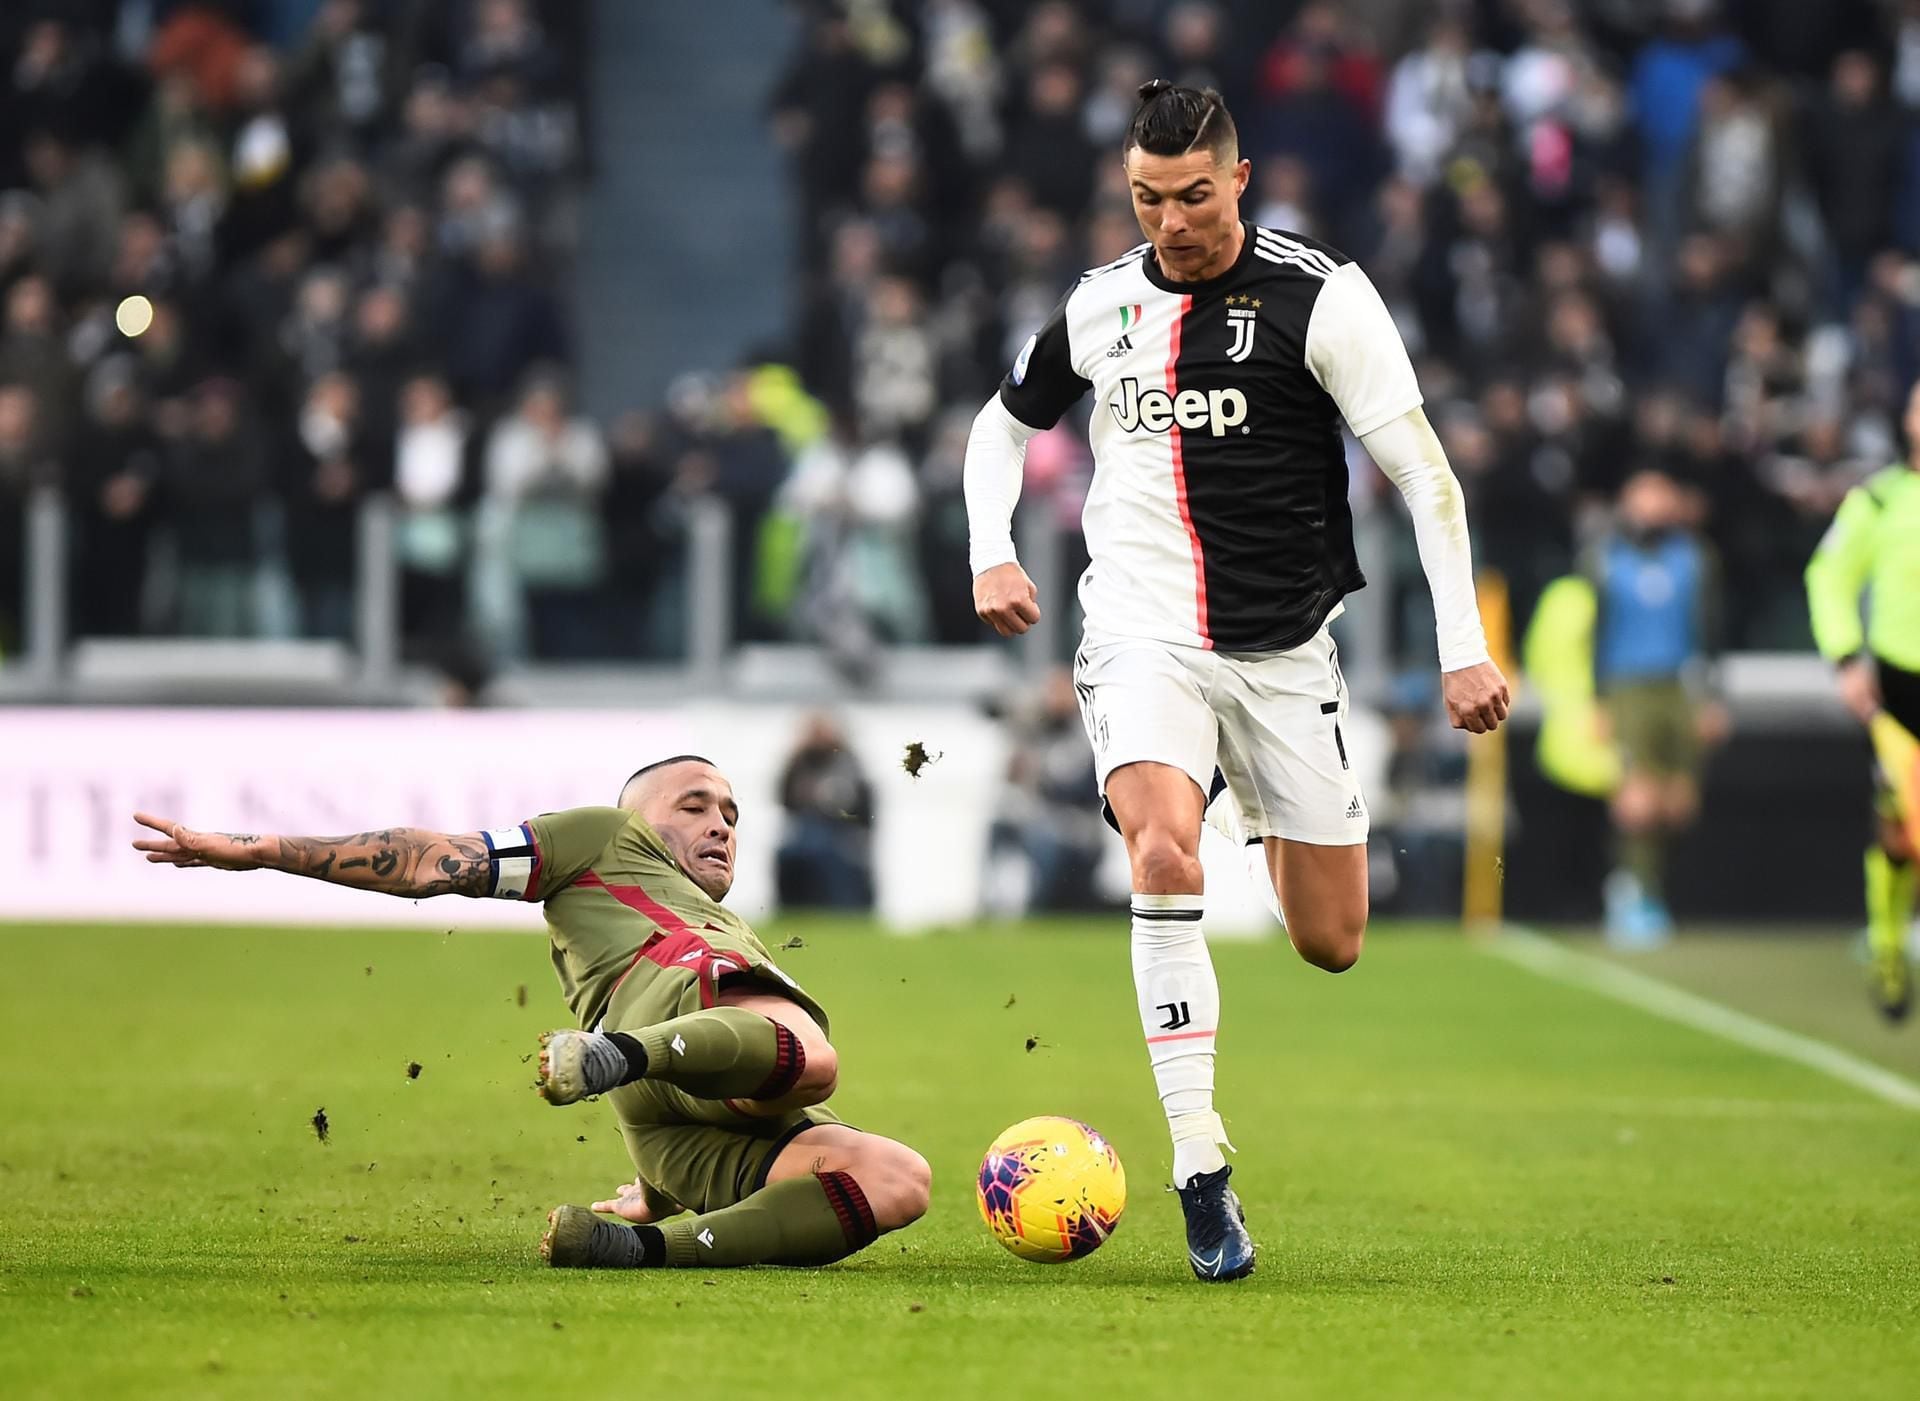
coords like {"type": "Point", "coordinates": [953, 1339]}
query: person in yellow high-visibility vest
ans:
{"type": "Point", "coordinates": [1872, 550]}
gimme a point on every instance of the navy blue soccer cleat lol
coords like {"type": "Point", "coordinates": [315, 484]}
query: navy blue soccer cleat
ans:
{"type": "Point", "coordinates": [1218, 1246]}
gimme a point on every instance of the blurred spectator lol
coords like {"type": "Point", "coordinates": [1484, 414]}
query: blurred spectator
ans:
{"type": "Point", "coordinates": [646, 531]}
{"type": "Point", "coordinates": [1047, 146]}
{"type": "Point", "coordinates": [81, 196]}
{"type": "Point", "coordinates": [860, 578]}
{"type": "Point", "coordinates": [429, 477]}
{"type": "Point", "coordinates": [1734, 176]}
{"type": "Point", "coordinates": [1428, 100]}
{"type": "Point", "coordinates": [737, 459]}
{"type": "Point", "coordinates": [1854, 140]}
{"type": "Point", "coordinates": [193, 201]}
{"type": "Point", "coordinates": [1321, 109]}
{"type": "Point", "coordinates": [261, 156]}
{"type": "Point", "coordinates": [817, 105]}
{"type": "Point", "coordinates": [31, 354]}
{"type": "Point", "coordinates": [498, 319]}
{"type": "Point", "coordinates": [943, 536]}
{"type": "Point", "coordinates": [217, 474]}
{"type": "Point", "coordinates": [825, 859]}
{"type": "Point", "coordinates": [329, 471]}
{"type": "Point", "coordinates": [1668, 75]}
{"type": "Point", "coordinates": [23, 466]}
{"type": "Point", "coordinates": [381, 353]}
{"type": "Point", "coordinates": [1655, 642]}
{"type": "Point", "coordinates": [541, 530]}
{"type": "Point", "coordinates": [341, 74]}
{"type": "Point", "coordinates": [1047, 840]}
{"type": "Point", "coordinates": [896, 383]}
{"type": "Point", "coordinates": [1700, 317]}
{"type": "Point", "coordinates": [115, 469]}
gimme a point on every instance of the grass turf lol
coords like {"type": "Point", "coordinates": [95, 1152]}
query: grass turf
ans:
{"type": "Point", "coordinates": [1466, 1181]}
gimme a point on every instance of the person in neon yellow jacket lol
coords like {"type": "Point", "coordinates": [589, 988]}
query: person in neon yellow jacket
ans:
{"type": "Point", "coordinates": [1872, 551]}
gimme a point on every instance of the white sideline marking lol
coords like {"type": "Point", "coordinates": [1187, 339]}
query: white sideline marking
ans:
{"type": "Point", "coordinates": [1550, 959]}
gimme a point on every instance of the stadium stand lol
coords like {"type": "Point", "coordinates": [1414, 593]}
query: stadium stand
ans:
{"type": "Point", "coordinates": [287, 331]}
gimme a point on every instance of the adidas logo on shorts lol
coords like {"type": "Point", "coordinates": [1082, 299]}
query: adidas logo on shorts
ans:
{"type": "Point", "coordinates": [1354, 809]}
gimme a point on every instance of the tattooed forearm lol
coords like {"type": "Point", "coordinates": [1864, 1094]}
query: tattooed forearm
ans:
{"type": "Point", "coordinates": [406, 861]}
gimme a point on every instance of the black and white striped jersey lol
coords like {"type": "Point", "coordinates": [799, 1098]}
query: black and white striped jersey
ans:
{"type": "Point", "coordinates": [1218, 512]}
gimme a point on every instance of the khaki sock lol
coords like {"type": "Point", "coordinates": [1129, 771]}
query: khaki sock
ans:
{"type": "Point", "coordinates": [723, 1053]}
{"type": "Point", "coordinates": [801, 1221]}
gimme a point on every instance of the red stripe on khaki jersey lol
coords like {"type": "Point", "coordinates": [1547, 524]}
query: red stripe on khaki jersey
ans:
{"type": "Point", "coordinates": [1180, 478]}
{"type": "Point", "coordinates": [636, 898]}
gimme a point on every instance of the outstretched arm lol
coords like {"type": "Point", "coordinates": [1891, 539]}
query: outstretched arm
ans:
{"type": "Point", "coordinates": [406, 861]}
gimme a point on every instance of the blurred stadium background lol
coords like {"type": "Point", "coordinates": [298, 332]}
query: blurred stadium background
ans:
{"type": "Point", "coordinates": [601, 371]}
{"type": "Point", "coordinates": [426, 411]}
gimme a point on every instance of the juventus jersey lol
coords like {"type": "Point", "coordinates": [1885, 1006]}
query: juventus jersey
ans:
{"type": "Point", "coordinates": [1218, 512]}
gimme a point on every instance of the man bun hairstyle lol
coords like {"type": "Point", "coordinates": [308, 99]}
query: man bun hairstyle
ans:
{"type": "Point", "coordinates": [1172, 121]}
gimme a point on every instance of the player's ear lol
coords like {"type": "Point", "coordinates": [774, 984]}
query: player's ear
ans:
{"type": "Point", "coordinates": [1242, 174]}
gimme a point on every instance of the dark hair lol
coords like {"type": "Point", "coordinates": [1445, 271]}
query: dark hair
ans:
{"type": "Point", "coordinates": [662, 763]}
{"type": "Point", "coordinates": [1172, 120]}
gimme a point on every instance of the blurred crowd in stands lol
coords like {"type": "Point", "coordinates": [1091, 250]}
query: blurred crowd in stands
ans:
{"type": "Point", "coordinates": [259, 261]}
{"type": "Point", "coordinates": [1616, 234]}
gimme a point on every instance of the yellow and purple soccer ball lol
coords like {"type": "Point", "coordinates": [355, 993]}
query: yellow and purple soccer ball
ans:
{"type": "Point", "coordinates": [1052, 1189]}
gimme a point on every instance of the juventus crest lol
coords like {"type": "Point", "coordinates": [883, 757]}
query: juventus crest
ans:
{"type": "Point", "coordinates": [1242, 316]}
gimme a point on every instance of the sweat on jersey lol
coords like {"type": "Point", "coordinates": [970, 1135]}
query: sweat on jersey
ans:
{"type": "Point", "coordinates": [1218, 512]}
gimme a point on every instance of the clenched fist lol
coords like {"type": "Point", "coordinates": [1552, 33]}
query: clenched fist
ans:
{"type": "Point", "coordinates": [1005, 599]}
{"type": "Point", "coordinates": [1476, 697]}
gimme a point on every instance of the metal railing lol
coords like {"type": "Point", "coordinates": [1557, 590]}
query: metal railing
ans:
{"type": "Point", "coordinates": [57, 667]}
{"type": "Point", "coordinates": [1771, 688]}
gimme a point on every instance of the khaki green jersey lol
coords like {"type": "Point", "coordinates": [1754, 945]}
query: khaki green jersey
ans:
{"type": "Point", "coordinates": [613, 895]}
{"type": "Point", "coordinates": [1872, 549]}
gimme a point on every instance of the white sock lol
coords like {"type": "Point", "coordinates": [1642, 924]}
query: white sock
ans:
{"type": "Point", "coordinates": [1179, 1015]}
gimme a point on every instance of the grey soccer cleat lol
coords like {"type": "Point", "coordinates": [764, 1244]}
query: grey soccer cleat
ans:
{"type": "Point", "coordinates": [576, 1064]}
{"type": "Point", "coordinates": [576, 1239]}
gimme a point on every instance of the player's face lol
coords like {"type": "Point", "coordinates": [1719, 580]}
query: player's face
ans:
{"type": "Point", "coordinates": [692, 808]}
{"type": "Point", "coordinates": [1188, 207]}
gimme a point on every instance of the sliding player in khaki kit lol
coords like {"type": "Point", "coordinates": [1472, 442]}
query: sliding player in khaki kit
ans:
{"type": "Point", "coordinates": [717, 1064]}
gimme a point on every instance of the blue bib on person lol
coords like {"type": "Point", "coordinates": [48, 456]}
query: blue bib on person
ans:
{"type": "Point", "coordinates": [1649, 609]}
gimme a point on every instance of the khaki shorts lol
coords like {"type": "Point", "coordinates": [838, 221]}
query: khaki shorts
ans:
{"type": "Point", "coordinates": [701, 1153]}
{"type": "Point", "coordinates": [1656, 729]}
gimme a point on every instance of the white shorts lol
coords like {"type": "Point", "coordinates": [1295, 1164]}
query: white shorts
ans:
{"type": "Point", "coordinates": [1267, 723]}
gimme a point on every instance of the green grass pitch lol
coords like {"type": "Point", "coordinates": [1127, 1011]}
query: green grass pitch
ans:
{"type": "Point", "coordinates": [1465, 1181]}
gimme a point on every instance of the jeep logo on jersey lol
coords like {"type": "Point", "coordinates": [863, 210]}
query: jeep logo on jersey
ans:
{"type": "Point", "coordinates": [1156, 411]}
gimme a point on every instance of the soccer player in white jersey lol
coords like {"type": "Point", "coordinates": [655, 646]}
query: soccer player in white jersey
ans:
{"type": "Point", "coordinates": [1222, 358]}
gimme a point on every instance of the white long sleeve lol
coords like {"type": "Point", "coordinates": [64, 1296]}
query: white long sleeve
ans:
{"type": "Point", "coordinates": [1408, 452]}
{"type": "Point", "coordinates": [996, 460]}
